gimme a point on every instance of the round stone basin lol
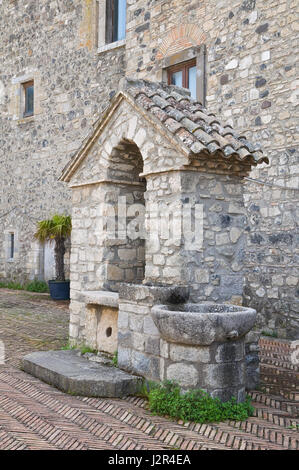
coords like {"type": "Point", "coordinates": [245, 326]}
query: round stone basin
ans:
{"type": "Point", "coordinates": [202, 324]}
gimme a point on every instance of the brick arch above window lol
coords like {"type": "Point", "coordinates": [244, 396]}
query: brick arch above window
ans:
{"type": "Point", "coordinates": [180, 38]}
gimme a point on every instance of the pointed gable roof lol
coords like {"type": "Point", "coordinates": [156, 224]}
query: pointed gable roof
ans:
{"type": "Point", "coordinates": [186, 121]}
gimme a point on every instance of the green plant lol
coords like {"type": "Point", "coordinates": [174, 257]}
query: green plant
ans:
{"type": "Point", "coordinates": [115, 359]}
{"type": "Point", "coordinates": [33, 286]}
{"type": "Point", "coordinates": [195, 405]}
{"type": "Point", "coordinates": [37, 286]}
{"type": "Point", "coordinates": [11, 285]}
{"type": "Point", "coordinates": [82, 347]}
{"type": "Point", "coordinates": [268, 333]}
{"type": "Point", "coordinates": [87, 349]}
{"type": "Point", "coordinates": [293, 426]}
{"type": "Point", "coordinates": [145, 388]}
{"type": "Point", "coordinates": [57, 229]}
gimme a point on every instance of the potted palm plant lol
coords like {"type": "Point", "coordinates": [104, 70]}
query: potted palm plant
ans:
{"type": "Point", "coordinates": [57, 230]}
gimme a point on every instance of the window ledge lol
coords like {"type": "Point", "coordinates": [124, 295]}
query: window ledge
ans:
{"type": "Point", "coordinates": [26, 119]}
{"type": "Point", "coordinates": [111, 46]}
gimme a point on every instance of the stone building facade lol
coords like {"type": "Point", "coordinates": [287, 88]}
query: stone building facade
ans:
{"type": "Point", "coordinates": [245, 58]}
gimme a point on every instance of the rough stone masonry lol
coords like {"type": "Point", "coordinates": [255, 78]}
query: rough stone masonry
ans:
{"type": "Point", "coordinates": [249, 57]}
{"type": "Point", "coordinates": [187, 158]}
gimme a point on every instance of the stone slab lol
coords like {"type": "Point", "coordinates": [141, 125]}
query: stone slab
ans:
{"type": "Point", "coordinates": [77, 375]}
{"type": "Point", "coordinates": [109, 299]}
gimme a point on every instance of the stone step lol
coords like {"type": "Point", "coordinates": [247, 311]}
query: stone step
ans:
{"type": "Point", "coordinates": [280, 391]}
{"type": "Point", "coordinates": [274, 373]}
{"type": "Point", "coordinates": [287, 385]}
{"type": "Point", "coordinates": [76, 375]}
{"type": "Point", "coordinates": [284, 358]}
{"type": "Point", "coordinates": [275, 433]}
{"type": "Point", "coordinates": [274, 403]}
{"type": "Point", "coordinates": [279, 374]}
{"type": "Point", "coordinates": [277, 417]}
{"type": "Point", "coordinates": [279, 349]}
{"type": "Point", "coordinates": [272, 361]}
{"type": "Point", "coordinates": [268, 343]}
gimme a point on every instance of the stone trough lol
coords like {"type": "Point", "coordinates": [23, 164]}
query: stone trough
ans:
{"type": "Point", "coordinates": [207, 346]}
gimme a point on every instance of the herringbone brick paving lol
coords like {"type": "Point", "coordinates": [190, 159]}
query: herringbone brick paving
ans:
{"type": "Point", "coordinates": [34, 415]}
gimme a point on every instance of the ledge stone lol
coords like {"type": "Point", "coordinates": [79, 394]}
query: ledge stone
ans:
{"type": "Point", "coordinates": [76, 375]}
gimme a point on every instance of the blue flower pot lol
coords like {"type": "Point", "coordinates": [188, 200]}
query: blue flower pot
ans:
{"type": "Point", "coordinates": [59, 290]}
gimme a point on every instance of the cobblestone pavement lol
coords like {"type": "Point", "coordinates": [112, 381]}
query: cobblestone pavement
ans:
{"type": "Point", "coordinates": [34, 415]}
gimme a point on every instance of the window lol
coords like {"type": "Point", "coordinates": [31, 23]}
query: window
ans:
{"type": "Point", "coordinates": [11, 245]}
{"type": "Point", "coordinates": [187, 68]}
{"type": "Point", "coordinates": [184, 75]}
{"type": "Point", "coordinates": [28, 89]}
{"type": "Point", "coordinates": [116, 11]}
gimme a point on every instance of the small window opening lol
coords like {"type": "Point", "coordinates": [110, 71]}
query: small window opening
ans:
{"type": "Point", "coordinates": [12, 245]}
{"type": "Point", "coordinates": [28, 98]}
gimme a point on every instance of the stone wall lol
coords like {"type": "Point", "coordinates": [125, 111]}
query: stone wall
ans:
{"type": "Point", "coordinates": [213, 266]}
{"type": "Point", "coordinates": [250, 81]}
{"type": "Point", "coordinates": [54, 44]}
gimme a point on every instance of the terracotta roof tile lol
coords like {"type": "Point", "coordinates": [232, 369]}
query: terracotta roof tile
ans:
{"type": "Point", "coordinates": [199, 129]}
{"type": "Point", "coordinates": [172, 125]}
{"type": "Point", "coordinates": [159, 113]}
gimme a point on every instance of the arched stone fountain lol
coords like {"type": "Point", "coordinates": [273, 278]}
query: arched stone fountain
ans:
{"type": "Point", "coordinates": [159, 229]}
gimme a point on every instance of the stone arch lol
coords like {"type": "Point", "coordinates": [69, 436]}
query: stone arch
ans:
{"type": "Point", "coordinates": [179, 38]}
{"type": "Point", "coordinates": [125, 162]}
{"type": "Point", "coordinates": [160, 151]}
{"type": "Point", "coordinates": [125, 222]}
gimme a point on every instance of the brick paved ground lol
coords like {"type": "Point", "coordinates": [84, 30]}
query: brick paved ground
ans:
{"type": "Point", "coordinates": [34, 415]}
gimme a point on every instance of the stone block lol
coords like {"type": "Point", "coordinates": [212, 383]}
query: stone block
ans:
{"type": "Point", "coordinates": [155, 368]}
{"type": "Point", "coordinates": [138, 341]}
{"type": "Point", "coordinates": [188, 353]}
{"type": "Point", "coordinates": [74, 330]}
{"type": "Point", "coordinates": [164, 348]}
{"type": "Point", "coordinates": [202, 276]}
{"type": "Point", "coordinates": [149, 327]}
{"type": "Point", "coordinates": [107, 329]}
{"type": "Point", "coordinates": [227, 393]}
{"type": "Point", "coordinates": [230, 352]}
{"type": "Point", "coordinates": [252, 366]}
{"type": "Point", "coordinates": [225, 375]}
{"type": "Point", "coordinates": [141, 363]}
{"type": "Point", "coordinates": [222, 239]}
{"type": "Point", "coordinates": [135, 322]}
{"type": "Point", "coordinates": [114, 273]}
{"type": "Point", "coordinates": [235, 234]}
{"type": "Point", "coordinates": [123, 320]}
{"type": "Point", "coordinates": [125, 338]}
{"type": "Point", "coordinates": [127, 254]}
{"type": "Point", "coordinates": [152, 345]}
{"type": "Point", "coordinates": [124, 357]}
{"type": "Point", "coordinates": [185, 375]}
{"type": "Point", "coordinates": [71, 373]}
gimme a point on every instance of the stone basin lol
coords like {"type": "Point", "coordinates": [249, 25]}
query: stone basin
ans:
{"type": "Point", "coordinates": [202, 323]}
